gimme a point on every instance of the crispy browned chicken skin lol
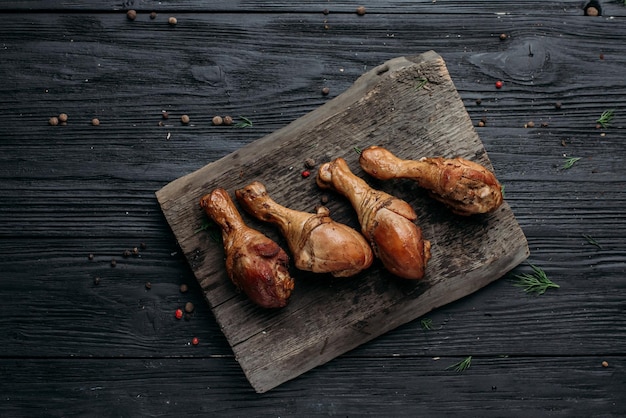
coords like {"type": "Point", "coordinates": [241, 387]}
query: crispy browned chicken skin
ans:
{"type": "Point", "coordinates": [466, 187]}
{"type": "Point", "coordinates": [386, 221]}
{"type": "Point", "coordinates": [254, 262]}
{"type": "Point", "coordinates": [317, 243]}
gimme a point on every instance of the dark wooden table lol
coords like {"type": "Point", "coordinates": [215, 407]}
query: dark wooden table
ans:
{"type": "Point", "coordinates": [80, 337]}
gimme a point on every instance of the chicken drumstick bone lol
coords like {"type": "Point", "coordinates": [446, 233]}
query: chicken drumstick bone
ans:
{"type": "Point", "coordinates": [386, 221]}
{"type": "Point", "coordinates": [254, 262]}
{"type": "Point", "coordinates": [317, 243]}
{"type": "Point", "coordinates": [466, 187]}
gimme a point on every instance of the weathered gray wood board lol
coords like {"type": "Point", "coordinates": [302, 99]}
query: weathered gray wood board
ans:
{"type": "Point", "coordinates": [408, 105]}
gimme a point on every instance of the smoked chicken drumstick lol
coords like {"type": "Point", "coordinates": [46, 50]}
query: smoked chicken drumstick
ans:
{"type": "Point", "coordinates": [254, 262]}
{"type": "Point", "coordinates": [386, 221]}
{"type": "Point", "coordinates": [467, 188]}
{"type": "Point", "coordinates": [317, 243]}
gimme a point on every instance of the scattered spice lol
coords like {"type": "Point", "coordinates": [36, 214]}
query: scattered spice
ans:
{"type": "Point", "coordinates": [63, 118]}
{"type": "Point", "coordinates": [309, 163]}
{"type": "Point", "coordinates": [96, 281]}
{"type": "Point", "coordinates": [305, 173]}
{"type": "Point", "coordinates": [325, 11]}
{"type": "Point", "coordinates": [184, 119]}
{"type": "Point", "coordinates": [324, 199]}
{"type": "Point", "coordinates": [195, 341]}
{"type": "Point", "coordinates": [178, 314]}
{"type": "Point", "coordinates": [217, 120]}
{"type": "Point", "coordinates": [143, 246]}
{"type": "Point", "coordinates": [113, 263]}
{"type": "Point", "coordinates": [189, 307]}
{"type": "Point", "coordinates": [601, 56]}
{"type": "Point", "coordinates": [131, 14]}
{"type": "Point", "coordinates": [481, 123]}
{"type": "Point", "coordinates": [164, 114]}
{"type": "Point", "coordinates": [605, 364]}
{"type": "Point", "coordinates": [503, 36]}
{"type": "Point", "coordinates": [172, 21]}
{"type": "Point", "coordinates": [325, 91]}
{"type": "Point", "coordinates": [499, 84]}
{"type": "Point", "coordinates": [558, 105]}
{"type": "Point", "coordinates": [360, 10]}
{"type": "Point", "coordinates": [95, 122]}
{"type": "Point", "coordinates": [184, 288]}
{"type": "Point", "coordinates": [478, 102]}
{"type": "Point", "coordinates": [530, 124]}
{"type": "Point", "coordinates": [544, 124]}
{"type": "Point", "coordinates": [148, 285]}
{"type": "Point", "coordinates": [592, 11]}
{"type": "Point", "coordinates": [53, 121]}
{"type": "Point", "coordinates": [153, 15]}
{"type": "Point", "coordinates": [126, 253]}
{"type": "Point", "coordinates": [90, 256]}
{"type": "Point", "coordinates": [135, 251]}
{"type": "Point", "coordinates": [187, 317]}
{"type": "Point", "coordinates": [228, 120]}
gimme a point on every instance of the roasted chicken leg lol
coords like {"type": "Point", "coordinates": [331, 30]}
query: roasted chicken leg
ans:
{"type": "Point", "coordinates": [466, 187]}
{"type": "Point", "coordinates": [386, 221]}
{"type": "Point", "coordinates": [254, 262]}
{"type": "Point", "coordinates": [317, 243]}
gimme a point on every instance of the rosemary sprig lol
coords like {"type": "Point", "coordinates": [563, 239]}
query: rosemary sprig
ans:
{"type": "Point", "coordinates": [605, 118]}
{"type": "Point", "coordinates": [244, 123]}
{"type": "Point", "coordinates": [357, 150]}
{"type": "Point", "coordinates": [502, 191]}
{"type": "Point", "coordinates": [592, 241]}
{"type": "Point", "coordinates": [462, 365]}
{"type": "Point", "coordinates": [537, 282]}
{"type": "Point", "coordinates": [569, 162]}
{"type": "Point", "coordinates": [426, 323]}
{"type": "Point", "coordinates": [212, 230]}
{"type": "Point", "coordinates": [421, 83]}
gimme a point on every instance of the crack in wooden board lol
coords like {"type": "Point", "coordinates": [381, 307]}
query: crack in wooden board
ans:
{"type": "Point", "coordinates": [326, 317]}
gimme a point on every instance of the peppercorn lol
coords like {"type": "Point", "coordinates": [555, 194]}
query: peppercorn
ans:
{"type": "Point", "coordinates": [325, 91]}
{"type": "Point", "coordinates": [95, 122]}
{"type": "Point", "coordinates": [360, 10]}
{"type": "Point", "coordinates": [557, 105]}
{"type": "Point", "coordinates": [478, 102]}
{"type": "Point", "coordinates": [53, 121]}
{"type": "Point", "coordinates": [325, 11]}
{"type": "Point", "coordinates": [153, 15]}
{"type": "Point", "coordinates": [481, 123]}
{"type": "Point", "coordinates": [143, 245]}
{"type": "Point", "coordinates": [183, 288]}
{"type": "Point", "coordinates": [178, 314]}
{"type": "Point", "coordinates": [113, 263]}
{"type": "Point", "coordinates": [96, 281]}
{"type": "Point", "coordinates": [503, 36]}
{"type": "Point", "coordinates": [172, 21]}
{"type": "Point", "coordinates": [324, 199]}
{"type": "Point", "coordinates": [90, 256]}
{"type": "Point", "coordinates": [189, 307]}
{"type": "Point", "coordinates": [544, 124]}
{"type": "Point", "coordinates": [309, 163]}
{"type": "Point", "coordinates": [135, 251]}
{"type": "Point", "coordinates": [217, 120]}
{"type": "Point", "coordinates": [499, 84]}
{"type": "Point", "coordinates": [63, 117]}
{"type": "Point", "coordinates": [131, 14]}
{"type": "Point", "coordinates": [164, 114]}
{"type": "Point", "coordinates": [195, 341]}
{"type": "Point", "coordinates": [184, 119]}
{"type": "Point", "coordinates": [126, 254]}
{"type": "Point", "coordinates": [605, 364]}
{"type": "Point", "coordinates": [148, 285]}
{"type": "Point", "coordinates": [592, 11]}
{"type": "Point", "coordinates": [530, 124]}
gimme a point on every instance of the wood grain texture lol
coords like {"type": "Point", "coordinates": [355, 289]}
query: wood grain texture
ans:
{"type": "Point", "coordinates": [387, 106]}
{"type": "Point", "coordinates": [73, 190]}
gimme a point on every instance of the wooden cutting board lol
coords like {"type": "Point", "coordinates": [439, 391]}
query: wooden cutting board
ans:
{"type": "Point", "coordinates": [408, 105]}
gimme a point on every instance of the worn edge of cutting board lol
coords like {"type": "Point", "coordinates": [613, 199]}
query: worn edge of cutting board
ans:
{"type": "Point", "coordinates": [327, 317]}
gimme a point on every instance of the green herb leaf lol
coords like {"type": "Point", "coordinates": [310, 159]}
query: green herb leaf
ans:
{"type": "Point", "coordinates": [426, 323]}
{"type": "Point", "coordinates": [592, 241]}
{"type": "Point", "coordinates": [421, 83]}
{"type": "Point", "coordinates": [357, 150]}
{"type": "Point", "coordinates": [605, 118]}
{"type": "Point", "coordinates": [569, 162]}
{"type": "Point", "coordinates": [537, 282]}
{"type": "Point", "coordinates": [244, 123]}
{"type": "Point", "coordinates": [462, 365]}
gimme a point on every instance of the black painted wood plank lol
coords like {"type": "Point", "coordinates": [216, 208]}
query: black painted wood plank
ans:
{"type": "Point", "coordinates": [396, 386]}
